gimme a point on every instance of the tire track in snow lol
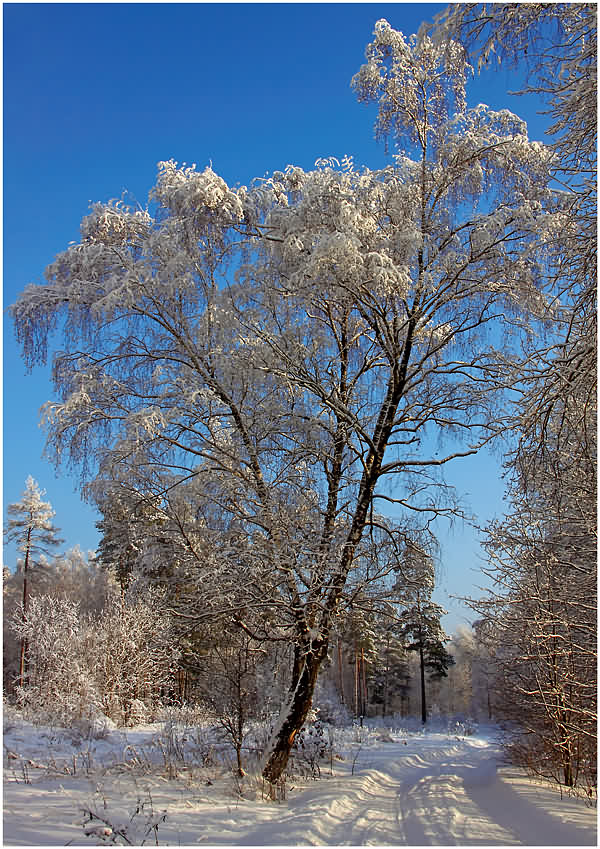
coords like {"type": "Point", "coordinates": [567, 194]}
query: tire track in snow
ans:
{"type": "Point", "coordinates": [447, 794]}
{"type": "Point", "coordinates": [400, 798]}
{"type": "Point", "coordinates": [433, 807]}
{"type": "Point", "coordinates": [530, 825]}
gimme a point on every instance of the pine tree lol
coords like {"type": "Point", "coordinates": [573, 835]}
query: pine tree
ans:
{"type": "Point", "coordinates": [390, 675]}
{"type": "Point", "coordinates": [422, 618]}
{"type": "Point", "coordinates": [424, 630]}
{"type": "Point", "coordinates": [35, 534]}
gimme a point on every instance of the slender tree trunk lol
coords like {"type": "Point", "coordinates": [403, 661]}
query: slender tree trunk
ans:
{"type": "Point", "coordinates": [423, 702]}
{"type": "Point", "coordinates": [356, 702]}
{"type": "Point", "coordinates": [241, 715]}
{"type": "Point", "coordinates": [22, 661]}
{"type": "Point", "coordinates": [364, 682]}
{"type": "Point", "coordinates": [340, 671]}
{"type": "Point", "coordinates": [240, 765]}
{"type": "Point", "coordinates": [386, 676]}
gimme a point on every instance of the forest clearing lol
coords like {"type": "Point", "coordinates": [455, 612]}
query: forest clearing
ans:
{"type": "Point", "coordinates": [378, 786]}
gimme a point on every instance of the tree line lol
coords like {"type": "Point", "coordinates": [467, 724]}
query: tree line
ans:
{"type": "Point", "coordinates": [83, 638]}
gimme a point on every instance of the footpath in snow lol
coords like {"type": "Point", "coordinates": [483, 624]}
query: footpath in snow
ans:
{"type": "Point", "coordinates": [427, 789]}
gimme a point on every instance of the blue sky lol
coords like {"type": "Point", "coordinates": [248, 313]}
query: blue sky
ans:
{"type": "Point", "coordinates": [96, 94]}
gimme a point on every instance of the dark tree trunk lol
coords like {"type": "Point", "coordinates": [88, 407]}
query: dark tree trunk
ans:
{"type": "Point", "coordinates": [240, 765]}
{"type": "Point", "coordinates": [23, 654]}
{"type": "Point", "coordinates": [308, 658]}
{"type": "Point", "coordinates": [341, 671]}
{"type": "Point", "coordinates": [365, 699]}
{"type": "Point", "coordinates": [356, 690]}
{"type": "Point", "coordinates": [423, 702]}
{"type": "Point", "coordinates": [306, 670]}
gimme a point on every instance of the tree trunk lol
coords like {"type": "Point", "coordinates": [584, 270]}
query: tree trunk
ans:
{"type": "Point", "coordinates": [423, 702]}
{"type": "Point", "coordinates": [23, 657]}
{"type": "Point", "coordinates": [386, 675]}
{"type": "Point", "coordinates": [356, 691]}
{"type": "Point", "coordinates": [308, 659]}
{"type": "Point", "coordinates": [568, 772]}
{"type": "Point", "coordinates": [364, 683]}
{"type": "Point", "coordinates": [306, 669]}
{"type": "Point", "coordinates": [240, 765]}
{"type": "Point", "coordinates": [341, 671]}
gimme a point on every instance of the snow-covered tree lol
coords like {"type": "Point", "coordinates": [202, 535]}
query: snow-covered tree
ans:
{"type": "Point", "coordinates": [544, 614]}
{"type": "Point", "coordinates": [285, 350]}
{"type": "Point", "coordinates": [458, 693]}
{"type": "Point", "coordinates": [31, 526]}
{"type": "Point", "coordinates": [120, 544]}
{"type": "Point", "coordinates": [135, 656]}
{"type": "Point", "coordinates": [421, 620]}
{"type": "Point", "coordinates": [543, 553]}
{"type": "Point", "coordinates": [77, 576]}
{"type": "Point", "coordinates": [486, 642]}
{"type": "Point", "coordinates": [356, 641]}
{"type": "Point", "coordinates": [557, 43]}
{"type": "Point", "coordinates": [389, 670]}
{"type": "Point", "coordinates": [72, 576]}
{"type": "Point", "coordinates": [542, 610]}
{"type": "Point", "coordinates": [555, 408]}
{"type": "Point", "coordinates": [228, 684]}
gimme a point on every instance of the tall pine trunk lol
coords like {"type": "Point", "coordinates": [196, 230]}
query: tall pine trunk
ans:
{"type": "Point", "coordinates": [422, 665]}
{"type": "Point", "coordinates": [341, 671]}
{"type": "Point", "coordinates": [364, 682]}
{"type": "Point", "coordinates": [23, 657]}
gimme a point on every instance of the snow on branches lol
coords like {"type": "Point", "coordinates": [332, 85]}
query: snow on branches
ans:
{"type": "Point", "coordinates": [277, 353]}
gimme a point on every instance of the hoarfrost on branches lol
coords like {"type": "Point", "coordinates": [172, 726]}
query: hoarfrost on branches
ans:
{"type": "Point", "coordinates": [251, 368]}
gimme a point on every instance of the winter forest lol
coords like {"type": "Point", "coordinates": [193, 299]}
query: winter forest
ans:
{"type": "Point", "coordinates": [259, 389]}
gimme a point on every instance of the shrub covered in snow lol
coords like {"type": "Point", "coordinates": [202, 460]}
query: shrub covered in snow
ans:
{"type": "Point", "coordinates": [81, 669]}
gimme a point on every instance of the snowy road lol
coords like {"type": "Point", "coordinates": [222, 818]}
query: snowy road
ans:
{"type": "Point", "coordinates": [440, 795]}
{"type": "Point", "coordinates": [423, 790]}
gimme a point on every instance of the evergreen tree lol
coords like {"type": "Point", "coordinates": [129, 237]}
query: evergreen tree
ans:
{"type": "Point", "coordinates": [32, 528]}
{"type": "Point", "coordinates": [390, 675]}
{"type": "Point", "coordinates": [423, 629]}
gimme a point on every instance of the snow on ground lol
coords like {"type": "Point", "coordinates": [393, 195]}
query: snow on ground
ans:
{"type": "Point", "coordinates": [417, 789]}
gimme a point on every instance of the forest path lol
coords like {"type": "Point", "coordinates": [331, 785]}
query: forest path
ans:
{"type": "Point", "coordinates": [429, 791]}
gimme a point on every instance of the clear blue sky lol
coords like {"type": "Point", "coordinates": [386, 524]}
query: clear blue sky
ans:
{"type": "Point", "coordinates": [96, 94]}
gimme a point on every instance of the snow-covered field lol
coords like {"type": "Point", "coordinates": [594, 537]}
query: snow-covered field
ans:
{"type": "Point", "coordinates": [399, 788]}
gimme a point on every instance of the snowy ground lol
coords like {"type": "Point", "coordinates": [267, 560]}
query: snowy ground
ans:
{"type": "Point", "coordinates": [389, 789]}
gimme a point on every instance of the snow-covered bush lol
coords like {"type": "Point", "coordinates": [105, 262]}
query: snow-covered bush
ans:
{"type": "Point", "coordinates": [135, 658]}
{"type": "Point", "coordinates": [311, 746]}
{"type": "Point", "coordinates": [461, 726]}
{"type": "Point", "coordinates": [94, 671]}
{"type": "Point", "coordinates": [57, 684]}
